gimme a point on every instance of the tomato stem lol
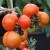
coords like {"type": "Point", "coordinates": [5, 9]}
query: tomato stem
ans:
{"type": "Point", "coordinates": [10, 3]}
{"type": "Point", "coordinates": [18, 10]}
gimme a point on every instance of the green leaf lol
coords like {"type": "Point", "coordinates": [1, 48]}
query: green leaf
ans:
{"type": "Point", "coordinates": [21, 3]}
{"type": "Point", "coordinates": [47, 30]}
{"type": "Point", "coordinates": [39, 1]}
{"type": "Point", "coordinates": [45, 6]}
{"type": "Point", "coordinates": [26, 1]}
{"type": "Point", "coordinates": [48, 2]}
{"type": "Point", "coordinates": [1, 2]}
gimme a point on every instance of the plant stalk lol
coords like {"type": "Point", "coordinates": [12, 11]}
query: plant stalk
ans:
{"type": "Point", "coordinates": [18, 10]}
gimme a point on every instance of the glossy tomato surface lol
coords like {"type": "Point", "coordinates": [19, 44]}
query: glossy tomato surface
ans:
{"type": "Point", "coordinates": [24, 22]}
{"type": "Point", "coordinates": [12, 39]}
{"type": "Point", "coordinates": [30, 9]}
{"type": "Point", "coordinates": [8, 21]}
{"type": "Point", "coordinates": [44, 17]}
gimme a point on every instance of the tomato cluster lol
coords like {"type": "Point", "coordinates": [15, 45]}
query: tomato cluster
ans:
{"type": "Point", "coordinates": [26, 22]}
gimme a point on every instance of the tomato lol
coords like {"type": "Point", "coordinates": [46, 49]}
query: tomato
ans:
{"type": "Point", "coordinates": [30, 30]}
{"type": "Point", "coordinates": [24, 22]}
{"type": "Point", "coordinates": [9, 21]}
{"type": "Point", "coordinates": [12, 39]}
{"type": "Point", "coordinates": [25, 35]}
{"type": "Point", "coordinates": [30, 9]}
{"type": "Point", "coordinates": [25, 49]}
{"type": "Point", "coordinates": [41, 25]}
{"type": "Point", "coordinates": [23, 44]}
{"type": "Point", "coordinates": [44, 18]}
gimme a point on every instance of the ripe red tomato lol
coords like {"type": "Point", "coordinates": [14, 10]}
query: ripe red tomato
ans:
{"type": "Point", "coordinates": [25, 49]}
{"type": "Point", "coordinates": [23, 44]}
{"type": "Point", "coordinates": [12, 39]}
{"type": "Point", "coordinates": [24, 22]}
{"type": "Point", "coordinates": [30, 9]}
{"type": "Point", "coordinates": [9, 21]}
{"type": "Point", "coordinates": [44, 18]}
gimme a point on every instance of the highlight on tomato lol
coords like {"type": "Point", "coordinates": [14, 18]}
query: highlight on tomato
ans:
{"type": "Point", "coordinates": [30, 9]}
{"type": "Point", "coordinates": [8, 21]}
{"type": "Point", "coordinates": [24, 22]}
{"type": "Point", "coordinates": [12, 39]}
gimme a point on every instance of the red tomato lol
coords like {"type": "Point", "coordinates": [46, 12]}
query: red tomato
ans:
{"type": "Point", "coordinates": [25, 49]}
{"type": "Point", "coordinates": [8, 21]}
{"type": "Point", "coordinates": [24, 22]}
{"type": "Point", "coordinates": [23, 44]}
{"type": "Point", "coordinates": [30, 9]}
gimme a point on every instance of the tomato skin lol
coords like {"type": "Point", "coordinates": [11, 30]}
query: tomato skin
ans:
{"type": "Point", "coordinates": [24, 22]}
{"type": "Point", "coordinates": [41, 25]}
{"type": "Point", "coordinates": [30, 9]}
{"type": "Point", "coordinates": [23, 44]}
{"type": "Point", "coordinates": [25, 49]}
{"type": "Point", "coordinates": [30, 30]}
{"type": "Point", "coordinates": [9, 21]}
{"type": "Point", "coordinates": [25, 35]}
{"type": "Point", "coordinates": [44, 18]}
{"type": "Point", "coordinates": [12, 39]}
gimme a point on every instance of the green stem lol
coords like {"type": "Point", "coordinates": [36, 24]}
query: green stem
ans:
{"type": "Point", "coordinates": [10, 3]}
{"type": "Point", "coordinates": [18, 10]}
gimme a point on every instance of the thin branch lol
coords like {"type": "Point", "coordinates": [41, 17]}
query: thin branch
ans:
{"type": "Point", "coordinates": [11, 4]}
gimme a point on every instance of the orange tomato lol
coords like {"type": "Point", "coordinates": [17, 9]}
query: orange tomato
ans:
{"type": "Point", "coordinates": [30, 9]}
{"type": "Point", "coordinates": [44, 18]}
{"type": "Point", "coordinates": [8, 21]}
{"type": "Point", "coordinates": [23, 44]}
{"type": "Point", "coordinates": [12, 39]}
